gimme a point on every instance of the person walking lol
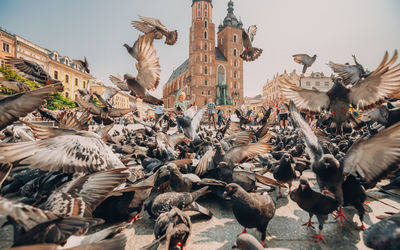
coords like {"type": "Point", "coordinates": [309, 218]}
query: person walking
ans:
{"type": "Point", "coordinates": [283, 115]}
{"type": "Point", "coordinates": [211, 112]}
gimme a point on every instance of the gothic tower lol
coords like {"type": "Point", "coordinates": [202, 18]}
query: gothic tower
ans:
{"type": "Point", "coordinates": [202, 53]}
{"type": "Point", "coordinates": [231, 45]}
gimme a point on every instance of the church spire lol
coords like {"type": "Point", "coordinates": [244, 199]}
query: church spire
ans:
{"type": "Point", "coordinates": [230, 19]}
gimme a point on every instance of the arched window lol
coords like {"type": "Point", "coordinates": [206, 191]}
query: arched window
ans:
{"type": "Point", "coordinates": [205, 35]}
{"type": "Point", "coordinates": [235, 63]}
{"type": "Point", "coordinates": [199, 10]}
{"type": "Point", "coordinates": [205, 59]}
{"type": "Point", "coordinates": [205, 83]}
{"type": "Point", "coordinates": [234, 85]}
{"type": "Point", "coordinates": [234, 75]}
{"type": "Point", "coordinates": [205, 46]}
{"type": "Point", "coordinates": [205, 70]}
{"type": "Point", "coordinates": [234, 52]}
{"type": "Point", "coordinates": [205, 10]}
{"type": "Point", "coordinates": [235, 38]}
{"type": "Point", "coordinates": [56, 57]}
{"type": "Point", "coordinates": [221, 74]}
{"type": "Point", "coordinates": [206, 24]}
{"type": "Point", "coordinates": [66, 61]}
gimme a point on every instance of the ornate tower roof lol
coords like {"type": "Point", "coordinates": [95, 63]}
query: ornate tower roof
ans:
{"type": "Point", "coordinates": [230, 19]}
{"type": "Point", "coordinates": [210, 1]}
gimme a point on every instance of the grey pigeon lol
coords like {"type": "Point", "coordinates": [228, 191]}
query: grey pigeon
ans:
{"type": "Point", "coordinates": [305, 60]}
{"type": "Point", "coordinates": [30, 70]}
{"type": "Point", "coordinates": [351, 74]}
{"type": "Point", "coordinates": [155, 29]}
{"type": "Point", "coordinates": [191, 125]}
{"type": "Point", "coordinates": [250, 53]}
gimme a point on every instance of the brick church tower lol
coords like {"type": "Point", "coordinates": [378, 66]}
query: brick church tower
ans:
{"type": "Point", "coordinates": [211, 71]}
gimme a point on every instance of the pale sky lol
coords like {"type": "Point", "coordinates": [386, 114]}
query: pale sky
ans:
{"type": "Point", "coordinates": [334, 30]}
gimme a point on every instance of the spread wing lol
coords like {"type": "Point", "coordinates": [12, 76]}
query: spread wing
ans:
{"type": "Point", "coordinates": [241, 153]}
{"type": "Point", "coordinates": [32, 69]}
{"type": "Point", "coordinates": [313, 146]}
{"type": "Point", "coordinates": [143, 27]}
{"type": "Point", "coordinates": [300, 58]}
{"type": "Point", "coordinates": [195, 123]}
{"type": "Point", "coordinates": [108, 94]}
{"type": "Point", "coordinates": [91, 189]}
{"type": "Point", "coordinates": [237, 139]}
{"type": "Point", "coordinates": [25, 215]}
{"type": "Point", "coordinates": [69, 153]}
{"type": "Point", "coordinates": [206, 163]}
{"type": "Point", "coordinates": [252, 31]}
{"type": "Point", "coordinates": [122, 85]}
{"type": "Point", "coordinates": [45, 132]}
{"type": "Point", "coordinates": [155, 23]}
{"type": "Point", "coordinates": [90, 107]}
{"type": "Point", "coordinates": [70, 120]}
{"type": "Point", "coordinates": [384, 81]}
{"type": "Point", "coordinates": [119, 112]}
{"type": "Point", "coordinates": [19, 105]}
{"type": "Point", "coordinates": [349, 73]}
{"type": "Point", "coordinates": [312, 100]}
{"type": "Point", "coordinates": [148, 65]}
{"type": "Point", "coordinates": [371, 158]}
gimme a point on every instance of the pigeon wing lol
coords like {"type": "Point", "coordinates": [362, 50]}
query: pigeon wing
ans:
{"type": "Point", "coordinates": [349, 73]}
{"type": "Point", "coordinates": [155, 23]}
{"type": "Point", "coordinates": [142, 26]}
{"type": "Point", "coordinates": [90, 107]}
{"type": "Point", "coordinates": [312, 100]}
{"type": "Point", "coordinates": [148, 65]}
{"type": "Point", "coordinates": [122, 85]}
{"type": "Point", "coordinates": [313, 146]}
{"type": "Point", "coordinates": [252, 31]}
{"type": "Point", "coordinates": [19, 105]}
{"type": "Point", "coordinates": [384, 81]}
{"type": "Point", "coordinates": [372, 158]}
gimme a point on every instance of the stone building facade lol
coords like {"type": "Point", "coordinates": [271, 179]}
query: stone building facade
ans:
{"type": "Point", "coordinates": [210, 72]}
{"type": "Point", "coordinates": [8, 46]}
{"type": "Point", "coordinates": [272, 93]}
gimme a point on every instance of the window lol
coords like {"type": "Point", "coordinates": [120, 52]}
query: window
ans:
{"type": "Point", "coordinates": [308, 83]}
{"type": "Point", "coordinates": [84, 84]}
{"type": "Point", "coordinates": [6, 47]}
{"type": "Point", "coordinates": [66, 61]}
{"type": "Point", "coordinates": [205, 82]}
{"type": "Point", "coordinates": [326, 84]}
{"type": "Point", "coordinates": [235, 38]}
{"type": "Point", "coordinates": [206, 24]}
{"type": "Point", "coordinates": [76, 81]}
{"type": "Point", "coordinates": [56, 57]}
{"type": "Point", "coordinates": [2, 64]}
{"type": "Point", "coordinates": [234, 85]}
{"type": "Point", "coordinates": [209, 92]}
{"type": "Point", "coordinates": [66, 94]}
{"type": "Point", "coordinates": [205, 46]}
{"type": "Point", "coordinates": [220, 74]}
{"type": "Point", "coordinates": [235, 63]}
{"type": "Point", "coordinates": [66, 78]}
{"type": "Point", "coordinates": [202, 92]}
{"type": "Point", "coordinates": [56, 74]}
{"type": "Point", "coordinates": [205, 70]}
{"type": "Point", "coordinates": [234, 75]}
{"type": "Point", "coordinates": [222, 40]}
{"type": "Point", "coordinates": [199, 10]}
{"type": "Point", "coordinates": [317, 83]}
{"type": "Point", "coordinates": [234, 52]}
{"type": "Point", "coordinates": [205, 35]}
{"type": "Point", "coordinates": [205, 59]}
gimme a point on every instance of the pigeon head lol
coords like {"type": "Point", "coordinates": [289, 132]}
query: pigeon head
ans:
{"type": "Point", "coordinates": [338, 80]}
{"type": "Point", "coordinates": [171, 37]}
{"type": "Point", "coordinates": [230, 190]}
{"type": "Point", "coordinates": [328, 161]}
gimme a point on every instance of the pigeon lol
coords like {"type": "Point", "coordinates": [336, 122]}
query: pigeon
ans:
{"type": "Point", "coordinates": [366, 94]}
{"type": "Point", "coordinates": [173, 226]}
{"type": "Point", "coordinates": [155, 29]}
{"type": "Point", "coordinates": [30, 70]}
{"type": "Point", "coordinates": [314, 203]}
{"type": "Point", "coordinates": [19, 105]}
{"type": "Point", "coordinates": [248, 242]}
{"type": "Point", "coordinates": [251, 209]}
{"type": "Point", "coordinates": [106, 96]}
{"type": "Point", "coordinates": [62, 149]}
{"type": "Point", "coordinates": [83, 64]}
{"type": "Point", "coordinates": [383, 115]}
{"type": "Point", "coordinates": [191, 125]}
{"type": "Point", "coordinates": [120, 83]}
{"type": "Point", "coordinates": [148, 76]}
{"type": "Point", "coordinates": [184, 201]}
{"type": "Point", "coordinates": [305, 60]}
{"type": "Point", "coordinates": [351, 74]}
{"type": "Point", "coordinates": [250, 53]}
{"type": "Point", "coordinates": [370, 158]}
{"type": "Point", "coordinates": [284, 173]}
{"type": "Point", "coordinates": [49, 114]}
{"type": "Point", "coordinates": [81, 196]}
{"type": "Point", "coordinates": [103, 115]}
{"type": "Point", "coordinates": [384, 234]}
